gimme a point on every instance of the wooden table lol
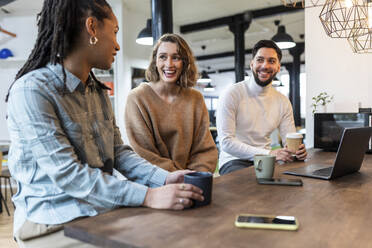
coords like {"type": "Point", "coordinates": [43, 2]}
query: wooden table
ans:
{"type": "Point", "coordinates": [334, 213]}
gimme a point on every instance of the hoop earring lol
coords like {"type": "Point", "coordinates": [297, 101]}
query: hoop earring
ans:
{"type": "Point", "coordinates": [93, 40]}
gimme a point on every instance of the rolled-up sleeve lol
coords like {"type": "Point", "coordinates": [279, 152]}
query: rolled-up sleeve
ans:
{"type": "Point", "coordinates": [135, 167]}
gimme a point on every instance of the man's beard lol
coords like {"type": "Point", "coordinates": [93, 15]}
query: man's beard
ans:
{"type": "Point", "coordinates": [263, 83]}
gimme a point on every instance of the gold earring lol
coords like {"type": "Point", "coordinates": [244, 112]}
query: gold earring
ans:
{"type": "Point", "coordinates": [93, 40]}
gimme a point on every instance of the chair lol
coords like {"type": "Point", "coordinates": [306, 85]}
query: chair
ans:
{"type": "Point", "coordinates": [2, 201]}
{"type": "Point", "coordinates": [5, 174]}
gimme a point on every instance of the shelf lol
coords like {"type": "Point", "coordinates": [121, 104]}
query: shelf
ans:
{"type": "Point", "coordinates": [104, 75]}
{"type": "Point", "coordinates": [14, 59]}
{"type": "Point", "coordinates": [12, 62]}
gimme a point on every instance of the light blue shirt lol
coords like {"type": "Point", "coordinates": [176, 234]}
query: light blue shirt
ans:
{"type": "Point", "coordinates": [63, 136]}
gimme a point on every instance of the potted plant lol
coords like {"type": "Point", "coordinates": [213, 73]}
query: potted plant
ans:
{"type": "Point", "coordinates": [321, 100]}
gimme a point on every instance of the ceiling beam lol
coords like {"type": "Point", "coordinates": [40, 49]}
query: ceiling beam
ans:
{"type": "Point", "coordinates": [5, 2]}
{"type": "Point", "coordinates": [219, 55]}
{"type": "Point", "coordinates": [233, 69]}
{"type": "Point", "coordinates": [228, 20]}
{"type": "Point", "coordinates": [229, 54]}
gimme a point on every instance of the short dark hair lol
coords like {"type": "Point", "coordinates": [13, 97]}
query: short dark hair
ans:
{"type": "Point", "coordinates": [267, 44]}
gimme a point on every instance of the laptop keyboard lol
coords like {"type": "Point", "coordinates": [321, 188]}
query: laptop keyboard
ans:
{"type": "Point", "coordinates": [323, 172]}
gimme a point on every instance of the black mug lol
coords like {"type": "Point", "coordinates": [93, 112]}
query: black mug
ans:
{"type": "Point", "coordinates": [204, 181]}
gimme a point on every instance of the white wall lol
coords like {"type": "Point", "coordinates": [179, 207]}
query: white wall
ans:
{"type": "Point", "coordinates": [26, 30]}
{"type": "Point", "coordinates": [331, 66]}
{"type": "Point", "coordinates": [131, 56]}
{"type": "Point", "coordinates": [221, 81]}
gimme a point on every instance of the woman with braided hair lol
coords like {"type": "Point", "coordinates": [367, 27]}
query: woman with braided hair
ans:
{"type": "Point", "coordinates": [65, 143]}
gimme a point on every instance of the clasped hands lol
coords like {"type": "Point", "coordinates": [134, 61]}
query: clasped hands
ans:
{"type": "Point", "coordinates": [285, 155]}
{"type": "Point", "coordinates": [175, 194]}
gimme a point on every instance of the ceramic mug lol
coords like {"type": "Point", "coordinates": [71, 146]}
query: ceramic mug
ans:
{"type": "Point", "coordinates": [264, 166]}
{"type": "Point", "coordinates": [203, 180]}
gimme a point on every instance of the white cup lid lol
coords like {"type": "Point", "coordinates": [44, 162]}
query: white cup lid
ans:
{"type": "Point", "coordinates": [294, 135]}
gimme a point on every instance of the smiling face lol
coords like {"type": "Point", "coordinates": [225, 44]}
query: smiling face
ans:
{"type": "Point", "coordinates": [168, 62]}
{"type": "Point", "coordinates": [265, 65]}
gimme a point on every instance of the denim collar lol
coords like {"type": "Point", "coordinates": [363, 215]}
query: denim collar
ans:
{"type": "Point", "coordinates": [72, 82]}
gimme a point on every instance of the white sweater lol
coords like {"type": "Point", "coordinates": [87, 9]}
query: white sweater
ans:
{"type": "Point", "coordinates": [246, 116]}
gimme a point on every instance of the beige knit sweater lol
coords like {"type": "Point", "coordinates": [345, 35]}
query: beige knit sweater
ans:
{"type": "Point", "coordinates": [172, 136]}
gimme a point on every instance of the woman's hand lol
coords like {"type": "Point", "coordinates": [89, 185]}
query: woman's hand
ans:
{"type": "Point", "coordinates": [173, 196]}
{"type": "Point", "coordinates": [176, 176]}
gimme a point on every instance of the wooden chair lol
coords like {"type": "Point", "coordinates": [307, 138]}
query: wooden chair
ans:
{"type": "Point", "coordinates": [5, 174]}
{"type": "Point", "coordinates": [3, 202]}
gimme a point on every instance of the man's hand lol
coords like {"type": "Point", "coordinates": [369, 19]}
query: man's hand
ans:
{"type": "Point", "coordinates": [172, 196]}
{"type": "Point", "coordinates": [282, 154]}
{"type": "Point", "coordinates": [301, 154]}
{"type": "Point", "coordinates": [176, 176]}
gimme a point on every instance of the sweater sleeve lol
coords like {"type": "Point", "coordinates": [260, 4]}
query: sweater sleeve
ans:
{"type": "Point", "coordinates": [141, 136]}
{"type": "Point", "coordinates": [203, 155]}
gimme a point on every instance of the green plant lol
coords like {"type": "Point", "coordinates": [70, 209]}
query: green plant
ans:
{"type": "Point", "coordinates": [321, 100]}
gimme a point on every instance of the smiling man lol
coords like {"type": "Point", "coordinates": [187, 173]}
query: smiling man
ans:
{"type": "Point", "coordinates": [251, 110]}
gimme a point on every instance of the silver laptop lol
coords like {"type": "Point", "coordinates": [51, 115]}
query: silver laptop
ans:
{"type": "Point", "coordinates": [349, 157]}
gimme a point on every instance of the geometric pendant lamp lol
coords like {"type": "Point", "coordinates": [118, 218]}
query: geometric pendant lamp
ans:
{"type": "Point", "coordinates": [361, 43]}
{"type": "Point", "coordinates": [294, 3]}
{"type": "Point", "coordinates": [314, 3]}
{"type": "Point", "coordinates": [303, 3]}
{"type": "Point", "coordinates": [361, 37]}
{"type": "Point", "coordinates": [341, 17]}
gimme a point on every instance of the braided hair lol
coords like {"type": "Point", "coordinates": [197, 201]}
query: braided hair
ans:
{"type": "Point", "coordinates": [60, 23]}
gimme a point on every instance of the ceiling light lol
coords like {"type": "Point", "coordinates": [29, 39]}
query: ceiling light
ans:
{"type": "Point", "coordinates": [246, 75]}
{"type": "Point", "coordinates": [209, 87]}
{"type": "Point", "coordinates": [360, 38]}
{"type": "Point", "coordinates": [145, 36]}
{"type": "Point", "coordinates": [204, 78]}
{"type": "Point", "coordinates": [341, 17]}
{"type": "Point", "coordinates": [282, 39]}
{"type": "Point", "coordinates": [277, 82]}
{"type": "Point", "coordinates": [369, 15]}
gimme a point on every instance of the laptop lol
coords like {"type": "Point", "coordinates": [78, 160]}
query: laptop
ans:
{"type": "Point", "coordinates": [349, 157]}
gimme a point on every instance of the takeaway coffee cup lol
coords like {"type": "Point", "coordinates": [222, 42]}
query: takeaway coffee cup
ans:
{"type": "Point", "coordinates": [294, 140]}
{"type": "Point", "coordinates": [264, 166]}
{"type": "Point", "coordinates": [203, 180]}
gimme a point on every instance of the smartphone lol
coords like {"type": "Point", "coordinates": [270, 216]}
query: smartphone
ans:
{"type": "Point", "coordinates": [280, 181]}
{"type": "Point", "coordinates": [266, 222]}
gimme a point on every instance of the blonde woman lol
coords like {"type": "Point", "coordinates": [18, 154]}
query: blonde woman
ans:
{"type": "Point", "coordinates": [166, 119]}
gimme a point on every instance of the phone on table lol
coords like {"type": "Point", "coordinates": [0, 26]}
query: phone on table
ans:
{"type": "Point", "coordinates": [266, 222]}
{"type": "Point", "coordinates": [280, 181]}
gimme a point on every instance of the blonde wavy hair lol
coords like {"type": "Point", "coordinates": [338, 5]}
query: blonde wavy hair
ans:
{"type": "Point", "coordinates": [189, 73]}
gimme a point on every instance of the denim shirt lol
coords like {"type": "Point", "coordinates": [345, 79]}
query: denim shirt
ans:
{"type": "Point", "coordinates": [64, 144]}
